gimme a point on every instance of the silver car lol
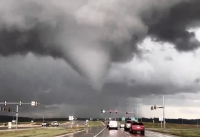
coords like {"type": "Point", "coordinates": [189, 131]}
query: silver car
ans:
{"type": "Point", "coordinates": [45, 124]}
{"type": "Point", "coordinates": [121, 125]}
{"type": "Point", "coordinates": [54, 124]}
{"type": "Point", "coordinates": [127, 125]}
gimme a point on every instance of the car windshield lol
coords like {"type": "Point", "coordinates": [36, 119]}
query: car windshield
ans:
{"type": "Point", "coordinates": [128, 121]}
{"type": "Point", "coordinates": [137, 123]}
{"type": "Point", "coordinates": [113, 122]}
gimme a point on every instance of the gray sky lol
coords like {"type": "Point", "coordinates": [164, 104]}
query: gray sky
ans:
{"type": "Point", "coordinates": [86, 55]}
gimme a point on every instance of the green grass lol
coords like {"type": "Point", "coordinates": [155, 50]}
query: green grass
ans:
{"type": "Point", "coordinates": [95, 123]}
{"type": "Point", "coordinates": [183, 130]}
{"type": "Point", "coordinates": [171, 126]}
{"type": "Point", "coordinates": [48, 132]}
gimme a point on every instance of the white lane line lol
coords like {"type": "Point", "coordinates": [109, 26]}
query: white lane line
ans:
{"type": "Point", "coordinates": [127, 134]}
{"type": "Point", "coordinates": [160, 134]}
{"type": "Point", "coordinates": [70, 133]}
{"type": "Point", "coordinates": [100, 132]}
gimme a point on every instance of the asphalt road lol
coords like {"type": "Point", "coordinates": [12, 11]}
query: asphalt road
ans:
{"type": "Point", "coordinates": [96, 132]}
{"type": "Point", "coordinates": [74, 124]}
{"type": "Point", "coordinates": [91, 132]}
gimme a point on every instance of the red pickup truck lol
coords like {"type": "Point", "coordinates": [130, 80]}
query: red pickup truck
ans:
{"type": "Point", "coordinates": [137, 127]}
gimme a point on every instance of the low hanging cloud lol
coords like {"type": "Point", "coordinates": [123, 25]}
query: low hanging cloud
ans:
{"type": "Point", "coordinates": [90, 35]}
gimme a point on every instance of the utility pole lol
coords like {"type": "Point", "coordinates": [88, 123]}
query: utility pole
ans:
{"type": "Point", "coordinates": [163, 112]}
{"type": "Point", "coordinates": [163, 107]}
{"type": "Point", "coordinates": [17, 111]}
{"type": "Point", "coordinates": [138, 113]}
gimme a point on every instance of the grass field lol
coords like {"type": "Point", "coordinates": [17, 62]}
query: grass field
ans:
{"type": "Point", "coordinates": [47, 132]}
{"type": "Point", "coordinates": [171, 126]}
{"type": "Point", "coordinates": [95, 123]}
{"type": "Point", "coordinates": [183, 130]}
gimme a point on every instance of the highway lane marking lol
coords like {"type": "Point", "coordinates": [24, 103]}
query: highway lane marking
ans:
{"type": "Point", "coordinates": [100, 132]}
{"type": "Point", "coordinates": [150, 133]}
{"type": "Point", "coordinates": [70, 133]}
{"type": "Point", "coordinates": [127, 134]}
{"type": "Point", "coordinates": [160, 134]}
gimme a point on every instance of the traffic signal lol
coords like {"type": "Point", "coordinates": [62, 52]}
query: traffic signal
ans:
{"type": "Point", "coordinates": [110, 111]}
{"type": "Point", "coordinates": [20, 103]}
{"type": "Point", "coordinates": [116, 111]}
{"type": "Point", "coordinates": [5, 103]}
{"type": "Point", "coordinates": [103, 111]}
{"type": "Point", "coordinates": [1, 108]}
{"type": "Point", "coordinates": [154, 106]}
{"type": "Point", "coordinates": [126, 112]}
{"type": "Point", "coordinates": [151, 107]}
{"type": "Point", "coordinates": [36, 103]}
{"type": "Point", "coordinates": [9, 109]}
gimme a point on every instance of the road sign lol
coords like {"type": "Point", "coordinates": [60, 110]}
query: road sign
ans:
{"type": "Point", "coordinates": [9, 125]}
{"type": "Point", "coordinates": [71, 117]}
{"type": "Point", "coordinates": [160, 118]}
{"type": "Point", "coordinates": [134, 119]}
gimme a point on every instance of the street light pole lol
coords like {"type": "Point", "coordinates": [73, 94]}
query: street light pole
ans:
{"type": "Point", "coordinates": [138, 113]}
{"type": "Point", "coordinates": [163, 112]}
{"type": "Point", "coordinates": [16, 116]}
{"type": "Point", "coordinates": [163, 107]}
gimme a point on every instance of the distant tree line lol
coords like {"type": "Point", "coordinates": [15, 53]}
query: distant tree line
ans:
{"type": "Point", "coordinates": [4, 119]}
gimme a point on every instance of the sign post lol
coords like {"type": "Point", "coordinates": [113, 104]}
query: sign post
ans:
{"type": "Point", "coordinates": [134, 119]}
{"type": "Point", "coordinates": [71, 118]}
{"type": "Point", "coordinates": [9, 125]}
{"type": "Point", "coordinates": [161, 120]}
{"type": "Point", "coordinates": [123, 119]}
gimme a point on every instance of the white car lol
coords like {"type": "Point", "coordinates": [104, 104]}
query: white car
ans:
{"type": "Point", "coordinates": [121, 125]}
{"type": "Point", "coordinates": [113, 125]}
{"type": "Point", "coordinates": [45, 124]}
{"type": "Point", "coordinates": [54, 124]}
{"type": "Point", "coordinates": [127, 125]}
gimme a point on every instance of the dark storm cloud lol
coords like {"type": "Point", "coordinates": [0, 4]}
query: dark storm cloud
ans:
{"type": "Point", "coordinates": [174, 24]}
{"type": "Point", "coordinates": [89, 35]}
{"type": "Point", "coordinates": [142, 89]}
{"type": "Point", "coordinates": [75, 34]}
{"type": "Point", "coordinates": [30, 34]}
{"type": "Point", "coordinates": [53, 84]}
